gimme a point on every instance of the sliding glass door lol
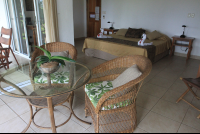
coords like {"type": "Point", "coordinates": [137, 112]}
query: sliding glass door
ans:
{"type": "Point", "coordinates": [22, 31]}
{"type": "Point", "coordinates": [27, 22]}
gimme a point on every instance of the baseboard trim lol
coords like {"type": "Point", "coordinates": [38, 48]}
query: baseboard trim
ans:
{"type": "Point", "coordinates": [81, 38]}
{"type": "Point", "coordinates": [185, 55]}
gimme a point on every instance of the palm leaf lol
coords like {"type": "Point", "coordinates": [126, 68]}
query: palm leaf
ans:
{"type": "Point", "coordinates": [45, 51]}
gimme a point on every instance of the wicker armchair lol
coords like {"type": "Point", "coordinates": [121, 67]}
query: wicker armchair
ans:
{"type": "Point", "coordinates": [56, 47]}
{"type": "Point", "coordinates": [118, 118]}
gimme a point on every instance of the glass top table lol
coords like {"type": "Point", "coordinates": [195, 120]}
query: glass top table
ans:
{"type": "Point", "coordinates": [29, 81]}
{"type": "Point", "coordinates": [45, 88]}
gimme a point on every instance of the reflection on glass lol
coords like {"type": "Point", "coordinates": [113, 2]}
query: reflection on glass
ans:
{"type": "Point", "coordinates": [21, 26]}
{"type": "Point", "coordinates": [42, 22]}
{"type": "Point", "coordinates": [14, 26]}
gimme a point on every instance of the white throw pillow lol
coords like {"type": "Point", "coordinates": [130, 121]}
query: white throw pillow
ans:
{"type": "Point", "coordinates": [128, 75]}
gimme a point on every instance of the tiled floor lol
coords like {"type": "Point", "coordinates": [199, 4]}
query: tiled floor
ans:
{"type": "Point", "coordinates": [157, 110]}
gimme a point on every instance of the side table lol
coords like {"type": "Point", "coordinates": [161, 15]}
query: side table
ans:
{"type": "Point", "coordinates": [189, 45]}
{"type": "Point", "coordinates": [110, 30]}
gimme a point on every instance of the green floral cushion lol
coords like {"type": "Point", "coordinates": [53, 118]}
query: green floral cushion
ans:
{"type": "Point", "coordinates": [96, 90]}
{"type": "Point", "coordinates": [57, 77]}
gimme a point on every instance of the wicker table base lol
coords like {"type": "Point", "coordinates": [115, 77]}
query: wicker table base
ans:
{"type": "Point", "coordinates": [50, 103]}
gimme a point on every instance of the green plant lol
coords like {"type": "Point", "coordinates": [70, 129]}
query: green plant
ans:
{"type": "Point", "coordinates": [48, 58]}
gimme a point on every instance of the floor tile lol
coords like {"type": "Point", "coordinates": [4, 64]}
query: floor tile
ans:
{"type": "Point", "coordinates": [173, 96]}
{"type": "Point", "coordinates": [80, 113]}
{"type": "Point", "coordinates": [141, 113]}
{"type": "Point", "coordinates": [170, 110]}
{"type": "Point", "coordinates": [163, 82]}
{"type": "Point", "coordinates": [138, 130]}
{"type": "Point", "coordinates": [155, 123]}
{"type": "Point", "coordinates": [42, 119]}
{"type": "Point", "coordinates": [168, 75]}
{"type": "Point", "coordinates": [146, 101]}
{"type": "Point", "coordinates": [153, 90]}
{"type": "Point", "coordinates": [20, 106]}
{"type": "Point", "coordinates": [15, 125]}
{"type": "Point", "coordinates": [187, 129]}
{"type": "Point", "coordinates": [91, 129]}
{"type": "Point", "coordinates": [195, 101]}
{"type": "Point", "coordinates": [6, 114]}
{"type": "Point", "coordinates": [191, 119]}
{"type": "Point", "coordinates": [71, 127]}
{"type": "Point", "coordinates": [1, 102]}
{"type": "Point", "coordinates": [86, 131]}
{"type": "Point", "coordinates": [7, 99]}
{"type": "Point", "coordinates": [179, 87]}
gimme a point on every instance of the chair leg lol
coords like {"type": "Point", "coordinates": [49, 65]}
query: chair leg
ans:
{"type": "Point", "coordinates": [190, 88]}
{"type": "Point", "coordinates": [198, 117]}
{"type": "Point", "coordinates": [14, 56]}
{"type": "Point", "coordinates": [182, 96]}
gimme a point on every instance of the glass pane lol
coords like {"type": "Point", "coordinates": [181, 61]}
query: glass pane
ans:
{"type": "Point", "coordinates": [14, 26]}
{"type": "Point", "coordinates": [42, 22]}
{"type": "Point", "coordinates": [21, 27]}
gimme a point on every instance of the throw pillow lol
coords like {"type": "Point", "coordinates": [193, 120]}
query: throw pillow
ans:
{"type": "Point", "coordinates": [154, 35]}
{"type": "Point", "coordinates": [134, 33]}
{"type": "Point", "coordinates": [64, 53]}
{"type": "Point", "coordinates": [121, 32]}
{"type": "Point", "coordinates": [128, 75]}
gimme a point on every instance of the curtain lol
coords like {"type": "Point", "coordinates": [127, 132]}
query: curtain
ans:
{"type": "Point", "coordinates": [51, 21]}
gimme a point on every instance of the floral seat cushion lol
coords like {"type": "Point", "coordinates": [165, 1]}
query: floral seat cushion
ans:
{"type": "Point", "coordinates": [57, 77]}
{"type": "Point", "coordinates": [96, 90]}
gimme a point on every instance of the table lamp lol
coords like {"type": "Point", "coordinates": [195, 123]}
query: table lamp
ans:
{"type": "Point", "coordinates": [111, 25]}
{"type": "Point", "coordinates": [183, 36]}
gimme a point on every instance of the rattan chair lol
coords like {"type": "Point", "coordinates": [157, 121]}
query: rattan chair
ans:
{"type": "Point", "coordinates": [56, 47]}
{"type": "Point", "coordinates": [190, 83]}
{"type": "Point", "coordinates": [123, 118]}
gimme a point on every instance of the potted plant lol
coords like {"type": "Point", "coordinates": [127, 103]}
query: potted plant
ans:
{"type": "Point", "coordinates": [49, 63]}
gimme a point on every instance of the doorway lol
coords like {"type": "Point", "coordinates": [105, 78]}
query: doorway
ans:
{"type": "Point", "coordinates": [27, 22]}
{"type": "Point", "coordinates": [93, 17]}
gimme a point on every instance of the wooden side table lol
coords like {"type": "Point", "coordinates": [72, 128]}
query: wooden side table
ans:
{"type": "Point", "coordinates": [110, 30]}
{"type": "Point", "coordinates": [189, 45]}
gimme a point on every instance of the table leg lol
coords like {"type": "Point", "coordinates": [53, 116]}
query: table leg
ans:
{"type": "Point", "coordinates": [51, 109]}
{"type": "Point", "coordinates": [189, 52]}
{"type": "Point", "coordinates": [172, 48]}
{"type": "Point", "coordinates": [70, 105]}
{"type": "Point", "coordinates": [107, 32]}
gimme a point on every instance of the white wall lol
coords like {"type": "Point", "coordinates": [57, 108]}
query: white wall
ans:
{"type": "Point", "coordinates": [80, 18]}
{"type": "Point", "coordinates": [166, 16]}
{"type": "Point", "coordinates": [3, 18]}
{"type": "Point", "coordinates": [65, 21]}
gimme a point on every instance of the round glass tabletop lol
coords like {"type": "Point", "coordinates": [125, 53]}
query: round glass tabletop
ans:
{"type": "Point", "coordinates": [29, 81]}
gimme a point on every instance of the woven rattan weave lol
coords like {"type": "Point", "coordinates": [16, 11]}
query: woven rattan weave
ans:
{"type": "Point", "coordinates": [121, 119]}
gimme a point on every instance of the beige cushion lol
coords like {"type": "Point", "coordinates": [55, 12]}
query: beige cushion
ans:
{"type": "Point", "coordinates": [128, 75]}
{"type": "Point", "coordinates": [121, 32]}
{"type": "Point", "coordinates": [64, 53]}
{"type": "Point", "coordinates": [154, 35]}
